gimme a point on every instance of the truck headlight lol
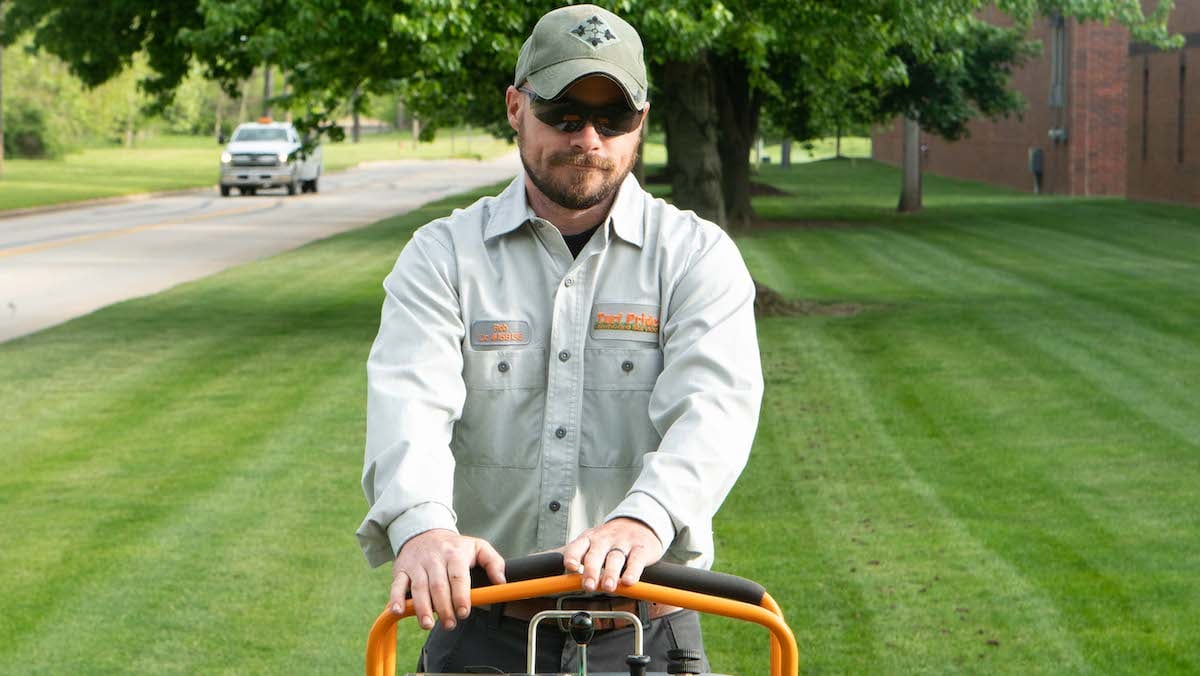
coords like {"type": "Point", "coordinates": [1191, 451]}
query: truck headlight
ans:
{"type": "Point", "coordinates": [283, 157]}
{"type": "Point", "coordinates": [226, 158]}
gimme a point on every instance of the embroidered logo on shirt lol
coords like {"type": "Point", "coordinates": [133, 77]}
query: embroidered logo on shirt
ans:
{"type": "Point", "coordinates": [499, 333]}
{"type": "Point", "coordinates": [625, 321]}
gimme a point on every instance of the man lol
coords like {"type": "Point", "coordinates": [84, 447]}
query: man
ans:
{"type": "Point", "coordinates": [569, 365]}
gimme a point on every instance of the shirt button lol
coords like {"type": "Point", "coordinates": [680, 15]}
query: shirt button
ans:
{"type": "Point", "coordinates": [555, 505]}
{"type": "Point", "coordinates": [564, 355]}
{"type": "Point", "coordinates": [502, 367]}
{"type": "Point", "coordinates": [627, 366]}
{"type": "Point", "coordinates": [568, 282]}
{"type": "Point", "coordinates": [560, 432]}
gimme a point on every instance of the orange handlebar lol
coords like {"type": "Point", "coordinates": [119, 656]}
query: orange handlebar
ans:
{"type": "Point", "coordinates": [785, 656]}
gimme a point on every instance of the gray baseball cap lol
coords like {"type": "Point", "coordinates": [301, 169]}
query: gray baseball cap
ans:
{"type": "Point", "coordinates": [573, 42]}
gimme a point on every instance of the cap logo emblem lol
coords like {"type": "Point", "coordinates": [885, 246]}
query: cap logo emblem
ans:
{"type": "Point", "coordinates": [594, 32]}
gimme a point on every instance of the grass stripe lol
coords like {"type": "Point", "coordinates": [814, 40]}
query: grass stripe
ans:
{"type": "Point", "coordinates": [990, 470]}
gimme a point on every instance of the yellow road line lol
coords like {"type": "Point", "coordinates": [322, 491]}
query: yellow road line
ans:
{"type": "Point", "coordinates": [34, 248]}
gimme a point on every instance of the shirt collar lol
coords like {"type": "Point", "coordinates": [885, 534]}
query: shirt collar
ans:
{"type": "Point", "coordinates": [511, 211]}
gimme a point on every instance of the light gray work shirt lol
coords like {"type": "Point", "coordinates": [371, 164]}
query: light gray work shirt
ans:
{"type": "Point", "coordinates": [520, 395]}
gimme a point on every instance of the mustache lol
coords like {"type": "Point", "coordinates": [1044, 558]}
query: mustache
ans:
{"type": "Point", "coordinates": [569, 159]}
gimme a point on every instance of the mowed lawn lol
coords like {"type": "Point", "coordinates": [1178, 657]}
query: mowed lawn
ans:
{"type": "Point", "coordinates": [994, 467]}
{"type": "Point", "coordinates": [171, 162]}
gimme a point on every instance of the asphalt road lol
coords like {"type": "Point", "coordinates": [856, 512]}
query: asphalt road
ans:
{"type": "Point", "coordinates": [61, 265]}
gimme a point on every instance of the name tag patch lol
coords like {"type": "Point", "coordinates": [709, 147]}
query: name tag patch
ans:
{"type": "Point", "coordinates": [499, 333]}
{"type": "Point", "coordinates": [625, 321]}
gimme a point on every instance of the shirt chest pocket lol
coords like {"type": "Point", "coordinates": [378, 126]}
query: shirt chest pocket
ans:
{"type": "Point", "coordinates": [616, 429]}
{"type": "Point", "coordinates": [502, 414]}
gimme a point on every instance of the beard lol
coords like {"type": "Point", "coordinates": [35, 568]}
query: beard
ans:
{"type": "Point", "coordinates": [574, 189]}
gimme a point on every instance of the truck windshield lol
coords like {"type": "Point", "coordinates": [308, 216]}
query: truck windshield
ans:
{"type": "Point", "coordinates": [260, 134]}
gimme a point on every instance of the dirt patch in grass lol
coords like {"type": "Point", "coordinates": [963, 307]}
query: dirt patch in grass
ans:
{"type": "Point", "coordinates": [766, 190]}
{"type": "Point", "coordinates": [769, 303]}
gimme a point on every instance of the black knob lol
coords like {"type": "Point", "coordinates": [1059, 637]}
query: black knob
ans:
{"type": "Point", "coordinates": [678, 654]}
{"type": "Point", "coordinates": [582, 628]}
{"type": "Point", "coordinates": [637, 664]}
{"type": "Point", "coordinates": [683, 661]}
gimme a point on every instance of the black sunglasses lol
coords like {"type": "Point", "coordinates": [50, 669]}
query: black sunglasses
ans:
{"type": "Point", "coordinates": [567, 115]}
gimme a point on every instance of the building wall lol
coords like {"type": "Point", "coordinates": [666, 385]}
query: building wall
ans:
{"type": "Point", "coordinates": [1163, 136]}
{"type": "Point", "coordinates": [1091, 160]}
{"type": "Point", "coordinates": [1098, 110]}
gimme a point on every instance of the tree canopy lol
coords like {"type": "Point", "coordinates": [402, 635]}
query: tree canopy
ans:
{"type": "Point", "coordinates": [717, 65]}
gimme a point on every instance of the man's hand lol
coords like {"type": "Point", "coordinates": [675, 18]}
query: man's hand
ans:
{"type": "Point", "coordinates": [435, 566]}
{"type": "Point", "coordinates": [603, 550]}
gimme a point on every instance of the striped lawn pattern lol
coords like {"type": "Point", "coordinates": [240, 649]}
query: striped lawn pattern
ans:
{"type": "Point", "coordinates": [994, 468]}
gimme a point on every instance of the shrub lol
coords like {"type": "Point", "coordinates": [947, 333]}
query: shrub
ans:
{"type": "Point", "coordinates": [29, 132]}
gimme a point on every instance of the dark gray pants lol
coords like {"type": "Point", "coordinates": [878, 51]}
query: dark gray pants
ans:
{"type": "Point", "coordinates": [489, 640]}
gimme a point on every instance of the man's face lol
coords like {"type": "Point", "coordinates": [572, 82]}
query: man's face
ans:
{"type": "Point", "coordinates": [576, 170]}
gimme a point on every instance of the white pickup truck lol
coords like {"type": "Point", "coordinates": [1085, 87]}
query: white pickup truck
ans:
{"type": "Point", "coordinates": [268, 154]}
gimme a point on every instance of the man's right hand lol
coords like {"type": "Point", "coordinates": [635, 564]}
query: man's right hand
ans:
{"type": "Point", "coordinates": [435, 567]}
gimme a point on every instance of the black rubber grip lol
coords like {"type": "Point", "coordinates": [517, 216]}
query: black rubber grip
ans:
{"type": "Point", "coordinates": [664, 574]}
{"type": "Point", "coordinates": [532, 567]}
{"type": "Point", "coordinates": [704, 582]}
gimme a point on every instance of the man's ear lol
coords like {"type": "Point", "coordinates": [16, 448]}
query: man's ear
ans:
{"type": "Point", "coordinates": [514, 100]}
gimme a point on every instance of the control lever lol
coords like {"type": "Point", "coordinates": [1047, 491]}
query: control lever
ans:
{"type": "Point", "coordinates": [582, 630]}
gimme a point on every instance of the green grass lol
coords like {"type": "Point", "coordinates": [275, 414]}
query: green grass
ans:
{"type": "Point", "coordinates": [992, 469]}
{"type": "Point", "coordinates": [162, 163]}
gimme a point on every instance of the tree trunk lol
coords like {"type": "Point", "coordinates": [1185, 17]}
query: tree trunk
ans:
{"type": "Point", "coordinates": [130, 121]}
{"type": "Point", "coordinates": [242, 102]}
{"type": "Point", "coordinates": [416, 132]}
{"type": "Point", "coordinates": [785, 153]}
{"type": "Point", "coordinates": [691, 119]}
{"type": "Point", "coordinates": [3, 8]}
{"type": "Point", "coordinates": [910, 189]}
{"type": "Point", "coordinates": [266, 90]}
{"type": "Point", "coordinates": [356, 126]}
{"type": "Point", "coordinates": [217, 130]}
{"type": "Point", "coordinates": [738, 107]}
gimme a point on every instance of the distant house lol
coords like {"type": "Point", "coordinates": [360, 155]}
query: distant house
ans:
{"type": "Point", "coordinates": [1104, 116]}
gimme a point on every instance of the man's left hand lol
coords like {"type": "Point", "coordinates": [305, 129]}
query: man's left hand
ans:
{"type": "Point", "coordinates": [602, 552]}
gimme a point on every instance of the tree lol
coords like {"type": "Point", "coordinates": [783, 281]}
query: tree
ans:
{"type": "Point", "coordinates": [965, 77]}
{"type": "Point", "coordinates": [718, 64]}
{"type": "Point", "coordinates": [3, 9]}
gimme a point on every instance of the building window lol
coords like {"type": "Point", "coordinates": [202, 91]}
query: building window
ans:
{"type": "Point", "coordinates": [1058, 62]}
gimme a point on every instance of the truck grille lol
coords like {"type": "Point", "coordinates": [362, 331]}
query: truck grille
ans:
{"type": "Point", "coordinates": [255, 160]}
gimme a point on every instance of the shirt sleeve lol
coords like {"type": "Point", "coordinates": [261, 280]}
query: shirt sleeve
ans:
{"type": "Point", "coordinates": [415, 394]}
{"type": "Point", "coordinates": [705, 404]}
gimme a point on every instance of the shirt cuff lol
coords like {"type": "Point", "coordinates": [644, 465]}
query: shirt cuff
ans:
{"type": "Point", "coordinates": [424, 517]}
{"type": "Point", "coordinates": [641, 507]}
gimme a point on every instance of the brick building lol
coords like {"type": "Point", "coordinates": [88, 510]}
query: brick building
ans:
{"type": "Point", "coordinates": [1110, 117]}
